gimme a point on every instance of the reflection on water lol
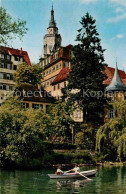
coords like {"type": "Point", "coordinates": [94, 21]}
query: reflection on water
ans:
{"type": "Point", "coordinates": [71, 184]}
{"type": "Point", "coordinates": [110, 180]}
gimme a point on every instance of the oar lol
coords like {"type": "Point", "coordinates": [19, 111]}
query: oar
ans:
{"type": "Point", "coordinates": [84, 176]}
{"type": "Point", "coordinates": [67, 171]}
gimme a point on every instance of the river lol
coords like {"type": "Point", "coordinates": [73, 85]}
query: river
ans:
{"type": "Point", "coordinates": [109, 180]}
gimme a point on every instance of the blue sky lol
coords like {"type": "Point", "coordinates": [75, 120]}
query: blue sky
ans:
{"type": "Point", "coordinates": [110, 18]}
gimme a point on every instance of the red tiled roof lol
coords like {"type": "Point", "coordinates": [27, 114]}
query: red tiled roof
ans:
{"type": "Point", "coordinates": [110, 73]}
{"type": "Point", "coordinates": [62, 76]}
{"type": "Point", "coordinates": [64, 73]}
{"type": "Point", "coordinates": [21, 53]}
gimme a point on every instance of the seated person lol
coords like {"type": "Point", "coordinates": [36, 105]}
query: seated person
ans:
{"type": "Point", "coordinates": [76, 168]}
{"type": "Point", "coordinates": [59, 171]}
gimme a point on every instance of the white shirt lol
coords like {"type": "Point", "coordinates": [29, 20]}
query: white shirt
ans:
{"type": "Point", "coordinates": [76, 169]}
{"type": "Point", "coordinates": [59, 171]}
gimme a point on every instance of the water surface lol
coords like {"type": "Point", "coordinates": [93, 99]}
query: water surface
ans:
{"type": "Point", "coordinates": [109, 180]}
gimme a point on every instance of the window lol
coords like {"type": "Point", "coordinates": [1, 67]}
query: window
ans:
{"type": "Point", "coordinates": [1, 75]}
{"type": "Point", "coordinates": [8, 66]}
{"type": "Point", "coordinates": [8, 57]}
{"type": "Point", "coordinates": [7, 88]}
{"type": "Point", "coordinates": [11, 87]}
{"type": "Point", "coordinates": [8, 76]}
{"type": "Point", "coordinates": [54, 88]}
{"type": "Point", "coordinates": [4, 87]}
{"type": "Point", "coordinates": [2, 65]}
{"type": "Point", "coordinates": [25, 105]}
{"type": "Point", "coordinates": [15, 67]}
{"type": "Point", "coordinates": [110, 114]}
{"type": "Point", "coordinates": [56, 55]}
{"type": "Point", "coordinates": [2, 56]}
{"type": "Point", "coordinates": [78, 115]}
{"type": "Point", "coordinates": [1, 87]}
{"type": "Point", "coordinates": [35, 106]}
{"type": "Point", "coordinates": [58, 86]}
{"type": "Point", "coordinates": [64, 84]}
{"type": "Point", "coordinates": [66, 64]}
{"type": "Point", "coordinates": [17, 58]}
{"type": "Point", "coordinates": [5, 66]}
{"type": "Point", "coordinates": [59, 66]}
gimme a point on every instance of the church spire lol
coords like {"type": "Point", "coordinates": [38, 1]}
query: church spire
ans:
{"type": "Point", "coordinates": [116, 83]}
{"type": "Point", "coordinates": [52, 22]}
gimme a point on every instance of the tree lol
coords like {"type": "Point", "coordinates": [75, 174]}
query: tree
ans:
{"type": "Point", "coordinates": [28, 74]}
{"type": "Point", "coordinates": [9, 29]}
{"type": "Point", "coordinates": [22, 133]}
{"type": "Point", "coordinates": [62, 120]}
{"type": "Point", "coordinates": [111, 137]}
{"type": "Point", "coordinates": [87, 73]}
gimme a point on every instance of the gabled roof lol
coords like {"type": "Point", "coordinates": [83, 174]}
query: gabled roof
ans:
{"type": "Point", "coordinates": [16, 52]}
{"type": "Point", "coordinates": [62, 75]}
{"type": "Point", "coordinates": [116, 83]}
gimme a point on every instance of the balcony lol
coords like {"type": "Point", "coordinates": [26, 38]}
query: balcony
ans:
{"type": "Point", "coordinates": [6, 81]}
{"type": "Point", "coordinates": [3, 70]}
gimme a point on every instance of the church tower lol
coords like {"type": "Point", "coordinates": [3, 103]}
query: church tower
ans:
{"type": "Point", "coordinates": [52, 40]}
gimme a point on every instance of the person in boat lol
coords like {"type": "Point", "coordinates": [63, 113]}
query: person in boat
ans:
{"type": "Point", "coordinates": [76, 169]}
{"type": "Point", "coordinates": [59, 171]}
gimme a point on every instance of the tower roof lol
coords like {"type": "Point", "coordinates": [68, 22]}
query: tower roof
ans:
{"type": "Point", "coordinates": [116, 83]}
{"type": "Point", "coordinates": [52, 22]}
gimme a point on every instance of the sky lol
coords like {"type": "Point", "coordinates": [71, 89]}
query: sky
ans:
{"type": "Point", "coordinates": [110, 18]}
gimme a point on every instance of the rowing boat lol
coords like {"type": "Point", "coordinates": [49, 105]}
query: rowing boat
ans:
{"type": "Point", "coordinates": [73, 175]}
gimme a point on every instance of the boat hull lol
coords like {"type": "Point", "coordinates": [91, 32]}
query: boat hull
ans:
{"type": "Point", "coordinates": [73, 175]}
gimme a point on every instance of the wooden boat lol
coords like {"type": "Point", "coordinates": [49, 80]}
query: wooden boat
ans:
{"type": "Point", "coordinates": [73, 175]}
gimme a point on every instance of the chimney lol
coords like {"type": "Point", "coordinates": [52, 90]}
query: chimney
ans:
{"type": "Point", "coordinates": [21, 51]}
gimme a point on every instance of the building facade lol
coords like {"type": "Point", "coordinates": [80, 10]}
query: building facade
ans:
{"type": "Point", "coordinates": [9, 60]}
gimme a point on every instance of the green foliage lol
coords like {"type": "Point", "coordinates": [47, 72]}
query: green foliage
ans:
{"type": "Point", "coordinates": [22, 132]}
{"type": "Point", "coordinates": [85, 139]}
{"type": "Point", "coordinates": [79, 140]}
{"type": "Point", "coordinates": [87, 73]}
{"type": "Point", "coordinates": [111, 138]}
{"type": "Point", "coordinates": [9, 29]}
{"type": "Point", "coordinates": [62, 120]}
{"type": "Point", "coordinates": [82, 157]}
{"type": "Point", "coordinates": [28, 74]}
{"type": "Point", "coordinates": [58, 145]}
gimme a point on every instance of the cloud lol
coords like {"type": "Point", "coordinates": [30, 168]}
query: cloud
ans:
{"type": "Point", "coordinates": [119, 10]}
{"type": "Point", "coordinates": [88, 1]}
{"type": "Point", "coordinates": [120, 36]}
{"type": "Point", "coordinates": [120, 2]}
{"type": "Point", "coordinates": [117, 18]}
